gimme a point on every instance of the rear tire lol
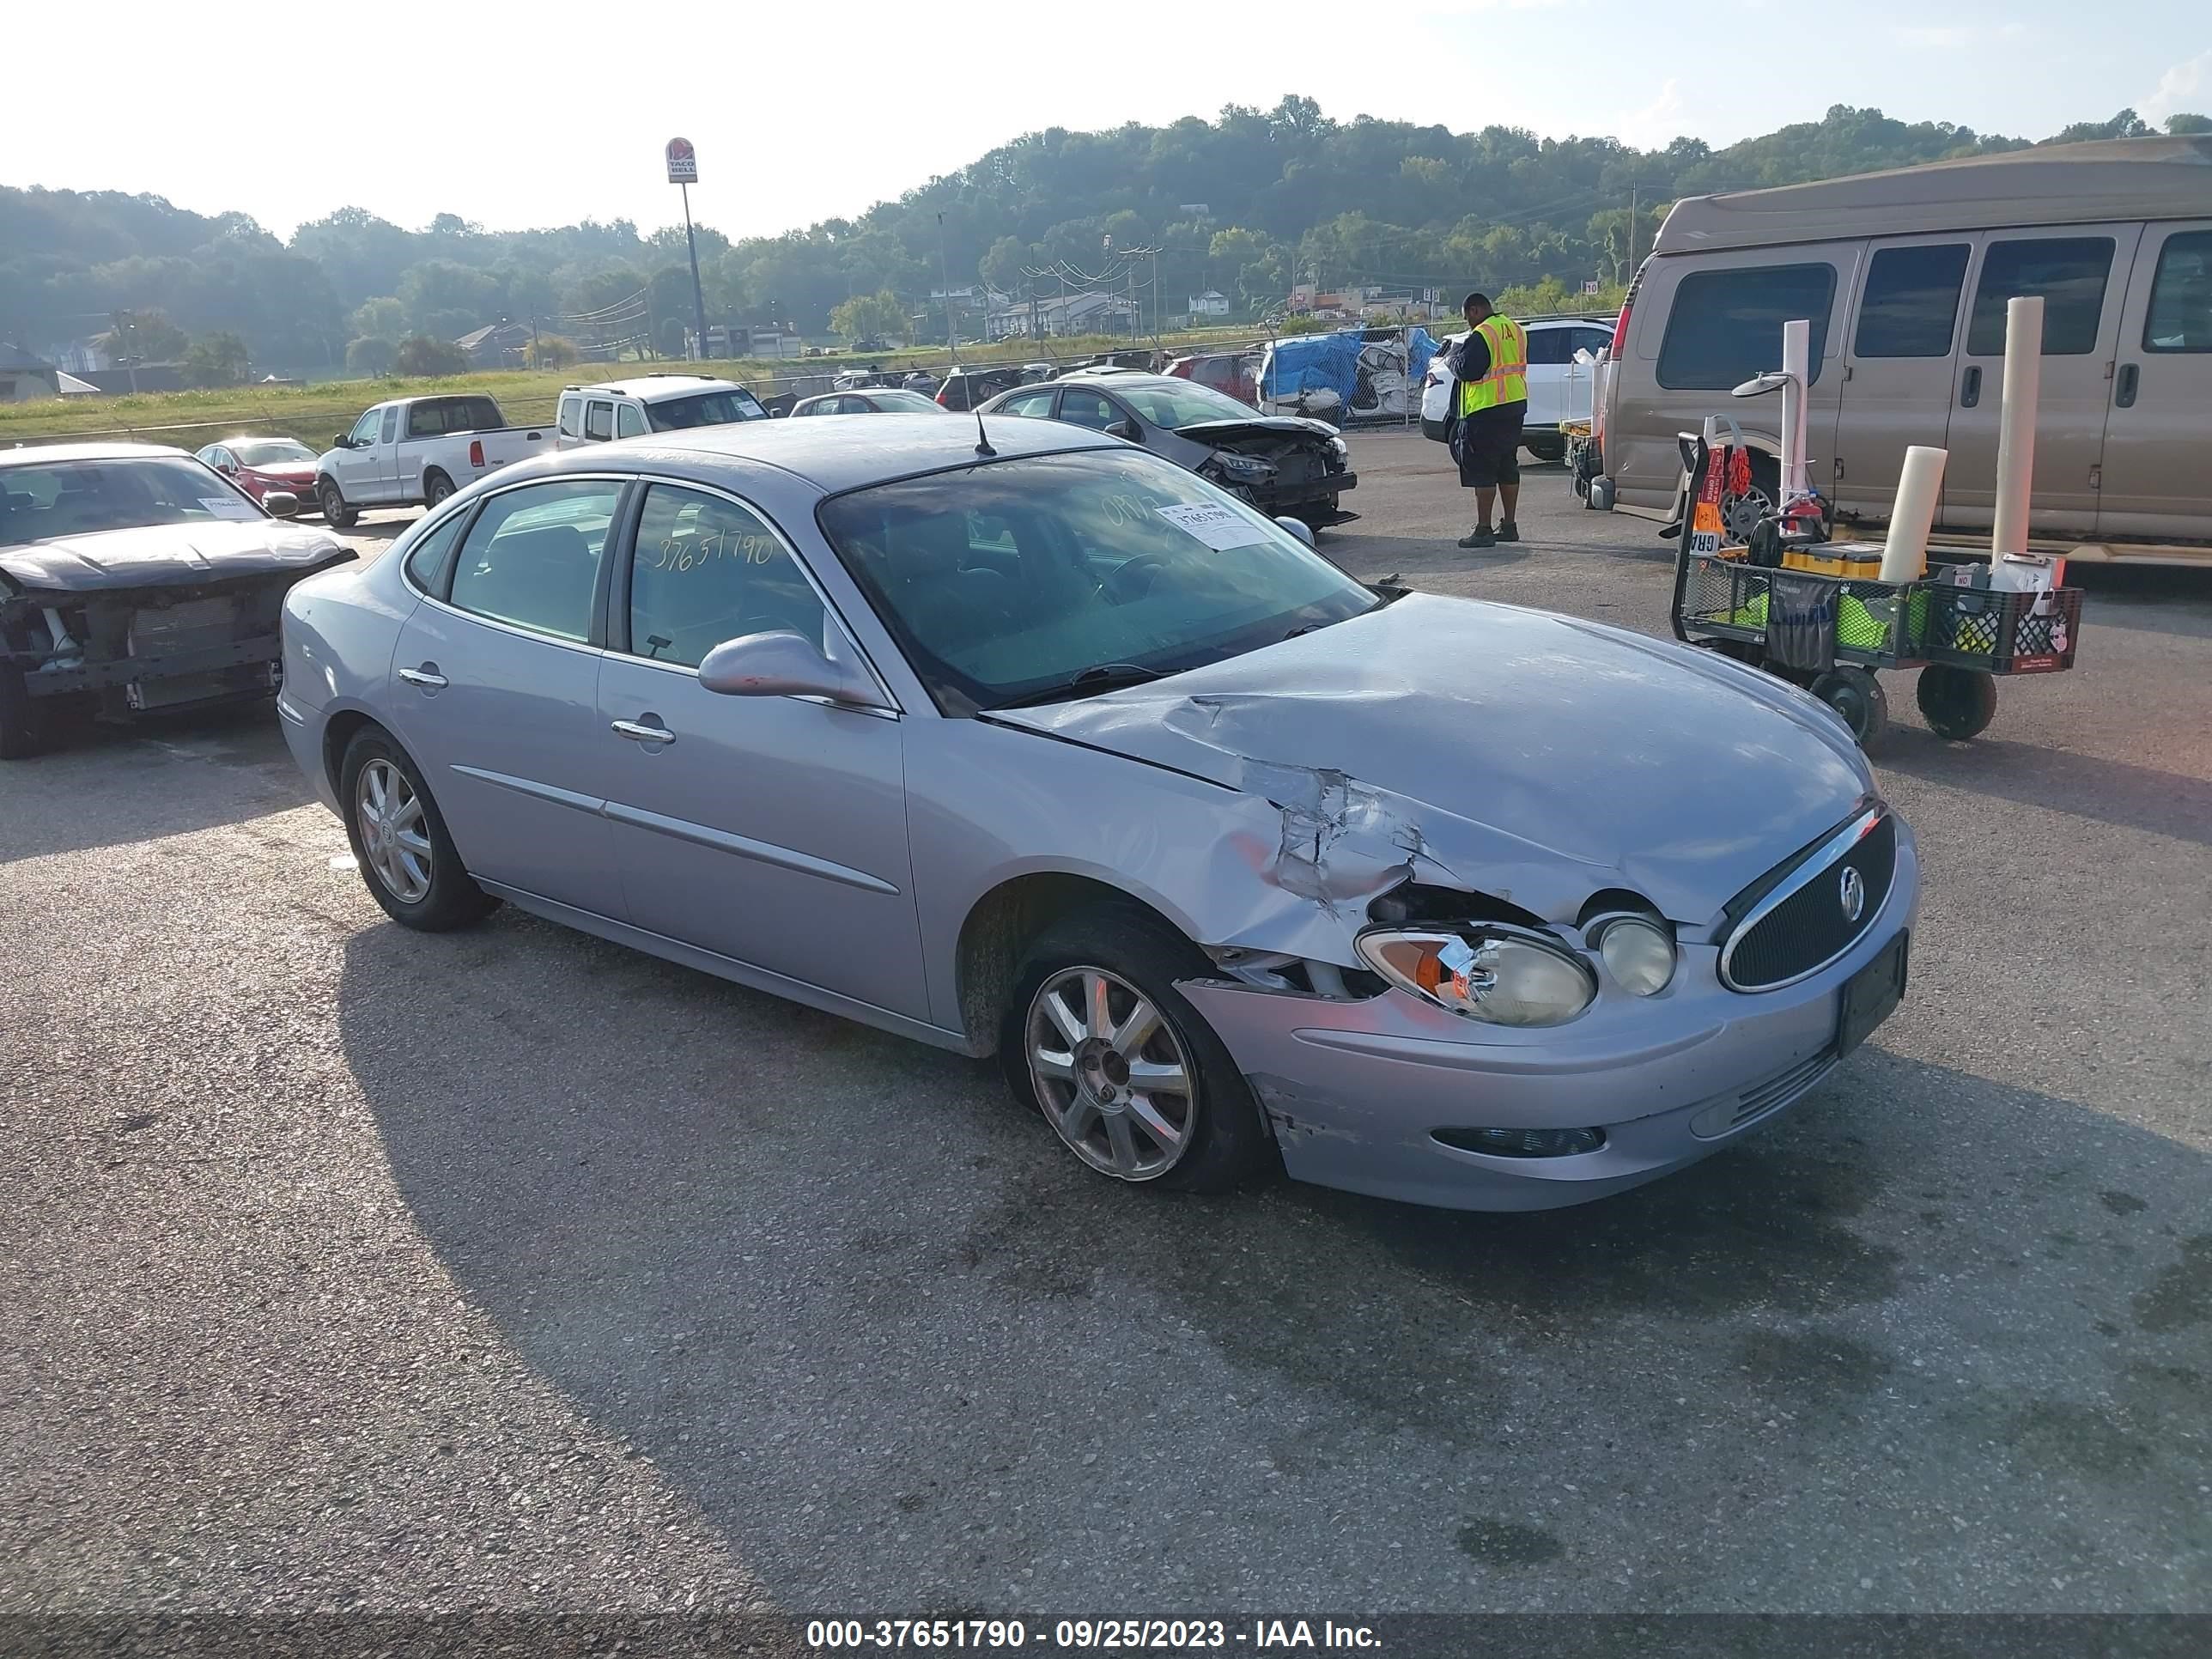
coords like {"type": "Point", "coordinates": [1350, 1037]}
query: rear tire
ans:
{"type": "Point", "coordinates": [1220, 1141]}
{"type": "Point", "coordinates": [337, 512]}
{"type": "Point", "coordinates": [436, 486]}
{"type": "Point", "coordinates": [426, 889]}
{"type": "Point", "coordinates": [1957, 703]}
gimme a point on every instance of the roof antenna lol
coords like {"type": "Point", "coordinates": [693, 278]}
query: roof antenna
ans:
{"type": "Point", "coordinates": [982, 438]}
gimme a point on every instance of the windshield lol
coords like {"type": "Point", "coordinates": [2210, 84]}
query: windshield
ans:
{"type": "Point", "coordinates": [270, 452]}
{"type": "Point", "coordinates": [82, 498]}
{"type": "Point", "coordinates": [1005, 579]}
{"type": "Point", "coordinates": [705, 409]}
{"type": "Point", "coordinates": [1176, 404]}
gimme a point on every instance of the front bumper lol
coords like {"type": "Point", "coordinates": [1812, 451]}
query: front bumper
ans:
{"type": "Point", "coordinates": [1319, 491]}
{"type": "Point", "coordinates": [1353, 1090]}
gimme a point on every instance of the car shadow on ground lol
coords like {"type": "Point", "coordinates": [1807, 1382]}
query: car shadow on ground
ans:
{"type": "Point", "coordinates": [839, 1289]}
{"type": "Point", "coordinates": [2087, 786]}
{"type": "Point", "coordinates": [106, 786]}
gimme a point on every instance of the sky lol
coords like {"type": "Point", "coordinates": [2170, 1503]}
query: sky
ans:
{"type": "Point", "coordinates": [555, 111]}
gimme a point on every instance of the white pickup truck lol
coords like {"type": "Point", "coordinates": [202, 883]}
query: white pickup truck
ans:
{"type": "Point", "coordinates": [417, 451]}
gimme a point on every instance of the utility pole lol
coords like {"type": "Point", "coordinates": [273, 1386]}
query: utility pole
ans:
{"type": "Point", "coordinates": [945, 277]}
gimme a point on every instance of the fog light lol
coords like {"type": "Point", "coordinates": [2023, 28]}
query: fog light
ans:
{"type": "Point", "coordinates": [1522, 1143]}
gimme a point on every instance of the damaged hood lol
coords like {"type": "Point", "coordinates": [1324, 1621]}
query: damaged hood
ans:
{"type": "Point", "coordinates": [169, 555]}
{"type": "Point", "coordinates": [1518, 753]}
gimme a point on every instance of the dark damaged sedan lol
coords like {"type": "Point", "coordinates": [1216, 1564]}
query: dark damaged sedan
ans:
{"type": "Point", "coordinates": [132, 579]}
{"type": "Point", "coordinates": [1284, 464]}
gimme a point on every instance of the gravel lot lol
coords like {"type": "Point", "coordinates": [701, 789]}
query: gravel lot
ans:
{"type": "Point", "coordinates": [348, 1268]}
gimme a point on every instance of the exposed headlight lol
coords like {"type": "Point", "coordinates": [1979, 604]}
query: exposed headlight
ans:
{"type": "Point", "coordinates": [1243, 467]}
{"type": "Point", "coordinates": [1501, 976]}
{"type": "Point", "coordinates": [1639, 954]}
{"type": "Point", "coordinates": [1337, 448]}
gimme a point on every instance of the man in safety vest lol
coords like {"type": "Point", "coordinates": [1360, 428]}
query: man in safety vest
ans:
{"type": "Point", "coordinates": [1489, 406]}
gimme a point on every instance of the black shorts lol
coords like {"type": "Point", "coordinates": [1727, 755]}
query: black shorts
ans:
{"type": "Point", "coordinates": [1488, 447]}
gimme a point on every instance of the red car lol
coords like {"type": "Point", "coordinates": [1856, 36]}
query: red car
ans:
{"type": "Point", "coordinates": [1235, 373]}
{"type": "Point", "coordinates": [260, 466]}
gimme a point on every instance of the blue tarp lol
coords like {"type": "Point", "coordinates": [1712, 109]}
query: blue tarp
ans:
{"type": "Point", "coordinates": [1347, 375]}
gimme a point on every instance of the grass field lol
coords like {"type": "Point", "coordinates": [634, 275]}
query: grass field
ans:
{"type": "Point", "coordinates": [312, 414]}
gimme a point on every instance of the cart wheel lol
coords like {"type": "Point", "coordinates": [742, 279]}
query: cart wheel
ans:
{"type": "Point", "coordinates": [1856, 697]}
{"type": "Point", "coordinates": [1957, 703]}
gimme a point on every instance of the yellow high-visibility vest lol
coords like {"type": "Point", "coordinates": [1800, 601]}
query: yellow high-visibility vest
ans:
{"type": "Point", "coordinates": [1507, 379]}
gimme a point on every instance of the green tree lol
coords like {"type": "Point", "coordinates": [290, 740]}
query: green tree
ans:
{"type": "Point", "coordinates": [670, 337]}
{"type": "Point", "coordinates": [372, 356]}
{"type": "Point", "coordinates": [554, 351]}
{"type": "Point", "coordinates": [2181, 125]}
{"type": "Point", "coordinates": [217, 359]}
{"type": "Point", "coordinates": [420, 354]}
{"type": "Point", "coordinates": [878, 316]}
{"type": "Point", "coordinates": [381, 319]}
{"type": "Point", "coordinates": [147, 336]}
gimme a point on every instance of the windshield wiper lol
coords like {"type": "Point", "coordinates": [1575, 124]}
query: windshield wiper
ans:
{"type": "Point", "coordinates": [1101, 677]}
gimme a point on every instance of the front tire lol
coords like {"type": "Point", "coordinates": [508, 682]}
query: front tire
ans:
{"type": "Point", "coordinates": [337, 512]}
{"type": "Point", "coordinates": [1098, 1040]}
{"type": "Point", "coordinates": [19, 735]}
{"type": "Point", "coordinates": [407, 859]}
{"type": "Point", "coordinates": [1858, 700]}
{"type": "Point", "coordinates": [436, 486]}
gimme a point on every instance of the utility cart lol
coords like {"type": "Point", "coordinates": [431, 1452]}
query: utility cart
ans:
{"type": "Point", "coordinates": [1830, 633]}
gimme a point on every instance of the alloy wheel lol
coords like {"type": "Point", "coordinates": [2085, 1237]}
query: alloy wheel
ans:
{"type": "Point", "coordinates": [394, 838]}
{"type": "Point", "coordinates": [1110, 1075]}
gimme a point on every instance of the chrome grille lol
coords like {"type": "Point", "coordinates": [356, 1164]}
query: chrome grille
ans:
{"type": "Point", "coordinates": [1801, 923]}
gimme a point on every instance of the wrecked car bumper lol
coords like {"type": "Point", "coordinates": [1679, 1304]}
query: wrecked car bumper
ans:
{"type": "Point", "coordinates": [1356, 1092]}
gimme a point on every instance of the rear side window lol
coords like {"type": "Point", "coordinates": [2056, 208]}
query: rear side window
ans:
{"type": "Point", "coordinates": [2068, 271]}
{"type": "Point", "coordinates": [1912, 304]}
{"type": "Point", "coordinates": [532, 558]}
{"type": "Point", "coordinates": [391, 424]}
{"type": "Point", "coordinates": [1726, 325]}
{"type": "Point", "coordinates": [572, 410]}
{"type": "Point", "coordinates": [430, 560]}
{"type": "Point", "coordinates": [2180, 317]}
{"type": "Point", "coordinates": [1035, 404]}
{"type": "Point", "coordinates": [599, 422]}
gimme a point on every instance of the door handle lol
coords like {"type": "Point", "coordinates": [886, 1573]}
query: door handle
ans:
{"type": "Point", "coordinates": [639, 733]}
{"type": "Point", "coordinates": [1970, 392]}
{"type": "Point", "coordinates": [428, 675]}
{"type": "Point", "coordinates": [2123, 394]}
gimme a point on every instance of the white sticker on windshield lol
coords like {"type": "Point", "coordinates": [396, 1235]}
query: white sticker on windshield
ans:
{"type": "Point", "coordinates": [1217, 527]}
{"type": "Point", "coordinates": [227, 507]}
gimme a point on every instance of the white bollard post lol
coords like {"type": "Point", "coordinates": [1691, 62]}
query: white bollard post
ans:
{"type": "Point", "coordinates": [1919, 487]}
{"type": "Point", "coordinates": [2023, 377]}
{"type": "Point", "coordinates": [1796, 363]}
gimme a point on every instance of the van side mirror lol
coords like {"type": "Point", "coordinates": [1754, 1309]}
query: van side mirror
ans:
{"type": "Point", "coordinates": [782, 663]}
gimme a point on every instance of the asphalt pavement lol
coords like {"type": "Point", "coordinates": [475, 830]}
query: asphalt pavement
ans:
{"type": "Point", "coordinates": [347, 1269]}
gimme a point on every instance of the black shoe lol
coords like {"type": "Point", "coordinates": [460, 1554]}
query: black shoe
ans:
{"type": "Point", "coordinates": [1480, 539]}
{"type": "Point", "coordinates": [1508, 532]}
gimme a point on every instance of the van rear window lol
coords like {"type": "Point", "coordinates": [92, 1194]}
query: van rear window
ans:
{"type": "Point", "coordinates": [1726, 325]}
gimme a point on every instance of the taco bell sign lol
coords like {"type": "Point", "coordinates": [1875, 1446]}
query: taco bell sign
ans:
{"type": "Point", "coordinates": [682, 162]}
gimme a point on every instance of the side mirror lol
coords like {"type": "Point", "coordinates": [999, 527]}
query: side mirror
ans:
{"type": "Point", "coordinates": [1122, 430]}
{"type": "Point", "coordinates": [281, 503]}
{"type": "Point", "coordinates": [342, 441]}
{"type": "Point", "coordinates": [1299, 528]}
{"type": "Point", "coordinates": [783, 664]}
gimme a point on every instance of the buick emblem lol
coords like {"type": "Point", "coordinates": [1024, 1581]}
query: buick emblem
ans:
{"type": "Point", "coordinates": [1850, 893]}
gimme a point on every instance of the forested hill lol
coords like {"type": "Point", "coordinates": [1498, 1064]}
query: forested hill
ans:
{"type": "Point", "coordinates": [1238, 203]}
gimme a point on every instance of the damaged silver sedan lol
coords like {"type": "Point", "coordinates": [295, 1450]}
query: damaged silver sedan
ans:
{"type": "Point", "coordinates": [1017, 740]}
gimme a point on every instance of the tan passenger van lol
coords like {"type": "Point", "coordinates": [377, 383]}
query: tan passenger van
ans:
{"type": "Point", "coordinates": [1903, 276]}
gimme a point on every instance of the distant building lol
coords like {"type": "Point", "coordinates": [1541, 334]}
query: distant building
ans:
{"type": "Point", "coordinates": [497, 345]}
{"type": "Point", "coordinates": [24, 378]}
{"type": "Point", "coordinates": [1209, 304]}
{"type": "Point", "coordinates": [1089, 312]}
